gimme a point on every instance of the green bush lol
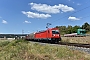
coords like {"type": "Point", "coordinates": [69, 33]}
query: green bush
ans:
{"type": "Point", "coordinates": [2, 44]}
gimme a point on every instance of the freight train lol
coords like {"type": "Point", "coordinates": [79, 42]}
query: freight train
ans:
{"type": "Point", "coordinates": [50, 35]}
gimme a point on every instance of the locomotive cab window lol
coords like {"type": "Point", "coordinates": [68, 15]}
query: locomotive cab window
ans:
{"type": "Point", "coordinates": [55, 32]}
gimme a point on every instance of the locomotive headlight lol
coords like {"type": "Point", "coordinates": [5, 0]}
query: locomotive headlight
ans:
{"type": "Point", "coordinates": [53, 34]}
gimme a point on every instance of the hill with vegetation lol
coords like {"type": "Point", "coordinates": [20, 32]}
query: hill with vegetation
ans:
{"type": "Point", "coordinates": [73, 29]}
{"type": "Point", "coordinates": [24, 50]}
{"type": "Point", "coordinates": [11, 35]}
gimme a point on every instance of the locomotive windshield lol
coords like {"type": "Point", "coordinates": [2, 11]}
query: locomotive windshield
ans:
{"type": "Point", "coordinates": [55, 32]}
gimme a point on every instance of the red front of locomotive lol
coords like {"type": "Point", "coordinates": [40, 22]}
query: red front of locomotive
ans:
{"type": "Point", "coordinates": [51, 33]}
{"type": "Point", "coordinates": [55, 33]}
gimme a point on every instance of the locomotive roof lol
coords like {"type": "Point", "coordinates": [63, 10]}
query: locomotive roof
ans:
{"type": "Point", "coordinates": [53, 28]}
{"type": "Point", "coordinates": [47, 29]}
{"type": "Point", "coordinates": [41, 31]}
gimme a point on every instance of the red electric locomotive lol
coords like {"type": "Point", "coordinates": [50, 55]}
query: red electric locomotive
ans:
{"type": "Point", "coordinates": [51, 34]}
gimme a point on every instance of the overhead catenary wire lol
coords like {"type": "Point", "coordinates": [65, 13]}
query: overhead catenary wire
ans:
{"type": "Point", "coordinates": [71, 14]}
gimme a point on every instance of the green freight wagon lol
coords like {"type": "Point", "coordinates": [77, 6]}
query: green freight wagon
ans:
{"type": "Point", "coordinates": [81, 32]}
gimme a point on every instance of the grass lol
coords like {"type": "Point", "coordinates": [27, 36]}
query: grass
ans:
{"type": "Point", "coordinates": [88, 33]}
{"type": "Point", "coordinates": [24, 50]}
{"type": "Point", "coordinates": [84, 40]}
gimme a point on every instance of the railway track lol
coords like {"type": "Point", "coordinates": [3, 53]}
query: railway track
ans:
{"type": "Point", "coordinates": [66, 43]}
{"type": "Point", "coordinates": [75, 44]}
{"type": "Point", "coordinates": [72, 46]}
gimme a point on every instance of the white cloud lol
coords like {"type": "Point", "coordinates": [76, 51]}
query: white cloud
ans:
{"type": "Point", "coordinates": [27, 21]}
{"type": "Point", "coordinates": [36, 15]}
{"type": "Point", "coordinates": [73, 18]}
{"type": "Point", "coordinates": [69, 0]}
{"type": "Point", "coordinates": [50, 9]}
{"type": "Point", "coordinates": [4, 22]}
{"type": "Point", "coordinates": [78, 4]}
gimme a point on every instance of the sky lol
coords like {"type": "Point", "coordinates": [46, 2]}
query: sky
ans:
{"type": "Point", "coordinates": [27, 16]}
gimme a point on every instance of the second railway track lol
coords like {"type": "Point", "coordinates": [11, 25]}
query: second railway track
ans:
{"type": "Point", "coordinates": [71, 46]}
{"type": "Point", "coordinates": [75, 44]}
{"type": "Point", "coordinates": [66, 43]}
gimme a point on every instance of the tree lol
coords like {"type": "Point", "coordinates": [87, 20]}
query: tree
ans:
{"type": "Point", "coordinates": [88, 28]}
{"type": "Point", "coordinates": [69, 29]}
{"type": "Point", "coordinates": [74, 30]}
{"type": "Point", "coordinates": [62, 29]}
{"type": "Point", "coordinates": [85, 25]}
